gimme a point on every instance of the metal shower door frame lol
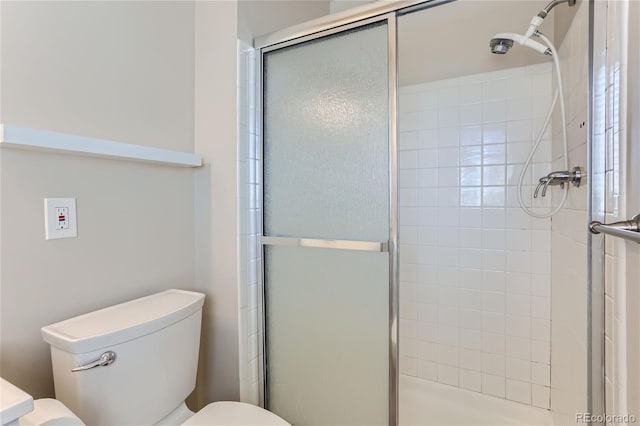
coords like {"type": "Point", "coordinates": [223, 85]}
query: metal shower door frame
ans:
{"type": "Point", "coordinates": [390, 246]}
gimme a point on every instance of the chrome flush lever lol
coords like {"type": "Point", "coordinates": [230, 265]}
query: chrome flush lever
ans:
{"type": "Point", "coordinates": [105, 359]}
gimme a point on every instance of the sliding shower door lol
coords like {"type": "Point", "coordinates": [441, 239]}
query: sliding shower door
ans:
{"type": "Point", "coordinates": [329, 224]}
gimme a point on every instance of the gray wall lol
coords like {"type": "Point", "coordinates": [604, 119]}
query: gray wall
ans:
{"type": "Point", "coordinates": [114, 70]}
{"type": "Point", "coordinates": [563, 16]}
{"type": "Point", "coordinates": [162, 74]}
{"type": "Point", "coordinates": [260, 17]}
{"type": "Point", "coordinates": [216, 205]}
{"type": "Point", "coordinates": [218, 26]}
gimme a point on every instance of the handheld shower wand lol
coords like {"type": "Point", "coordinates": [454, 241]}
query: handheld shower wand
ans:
{"type": "Point", "coordinates": [500, 44]}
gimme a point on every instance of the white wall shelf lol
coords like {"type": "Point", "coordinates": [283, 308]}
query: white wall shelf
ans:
{"type": "Point", "coordinates": [42, 140]}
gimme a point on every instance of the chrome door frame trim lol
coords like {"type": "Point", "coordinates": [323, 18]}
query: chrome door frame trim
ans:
{"type": "Point", "coordinates": [595, 246]}
{"type": "Point", "coordinates": [330, 31]}
{"type": "Point", "coordinates": [394, 270]}
{"type": "Point", "coordinates": [374, 246]}
{"type": "Point", "coordinates": [347, 17]}
{"type": "Point", "coordinates": [262, 302]}
{"type": "Point", "coordinates": [392, 246]}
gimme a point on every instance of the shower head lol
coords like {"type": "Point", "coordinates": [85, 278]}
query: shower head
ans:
{"type": "Point", "coordinates": [500, 46]}
{"type": "Point", "coordinates": [502, 42]}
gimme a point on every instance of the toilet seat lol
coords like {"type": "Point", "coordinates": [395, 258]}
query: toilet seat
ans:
{"type": "Point", "coordinates": [228, 413]}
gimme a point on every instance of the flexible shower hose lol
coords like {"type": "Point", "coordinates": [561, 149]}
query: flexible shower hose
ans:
{"type": "Point", "coordinates": [558, 93]}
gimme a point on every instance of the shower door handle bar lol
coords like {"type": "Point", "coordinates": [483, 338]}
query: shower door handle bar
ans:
{"type": "Point", "coordinates": [627, 229]}
{"type": "Point", "coordinates": [374, 246]}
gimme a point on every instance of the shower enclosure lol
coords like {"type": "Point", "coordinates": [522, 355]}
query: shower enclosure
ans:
{"type": "Point", "coordinates": [400, 279]}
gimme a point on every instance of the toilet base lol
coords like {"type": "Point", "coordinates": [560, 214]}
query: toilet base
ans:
{"type": "Point", "coordinates": [177, 417]}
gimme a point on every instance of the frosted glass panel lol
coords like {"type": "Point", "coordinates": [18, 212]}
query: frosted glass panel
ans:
{"type": "Point", "coordinates": [326, 114]}
{"type": "Point", "coordinates": [328, 335]}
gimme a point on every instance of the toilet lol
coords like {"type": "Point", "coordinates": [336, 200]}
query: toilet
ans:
{"type": "Point", "coordinates": [135, 363]}
{"type": "Point", "coordinates": [17, 408]}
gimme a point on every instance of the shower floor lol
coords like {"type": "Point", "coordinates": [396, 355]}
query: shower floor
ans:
{"type": "Point", "coordinates": [423, 402]}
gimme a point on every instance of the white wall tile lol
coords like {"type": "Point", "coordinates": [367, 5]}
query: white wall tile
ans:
{"type": "Point", "coordinates": [471, 380]}
{"type": "Point", "coordinates": [519, 325]}
{"type": "Point", "coordinates": [494, 133]}
{"type": "Point", "coordinates": [469, 261]}
{"type": "Point", "coordinates": [471, 114]}
{"type": "Point", "coordinates": [408, 365]}
{"type": "Point", "coordinates": [540, 374]}
{"type": "Point", "coordinates": [541, 307]}
{"type": "Point", "coordinates": [518, 347]}
{"type": "Point", "coordinates": [493, 302]}
{"type": "Point", "coordinates": [428, 370]}
{"type": "Point", "coordinates": [428, 351]}
{"type": "Point", "coordinates": [493, 322]}
{"type": "Point", "coordinates": [425, 119]}
{"type": "Point", "coordinates": [408, 122]}
{"type": "Point", "coordinates": [541, 330]}
{"type": "Point", "coordinates": [493, 385]}
{"type": "Point", "coordinates": [471, 135]}
{"type": "Point", "coordinates": [518, 283]}
{"type": "Point", "coordinates": [518, 369]}
{"type": "Point", "coordinates": [408, 159]}
{"type": "Point", "coordinates": [493, 343]}
{"type": "Point", "coordinates": [448, 375]}
{"type": "Point", "coordinates": [541, 352]}
{"type": "Point", "coordinates": [408, 140]}
{"type": "Point", "coordinates": [428, 138]}
{"type": "Point", "coordinates": [518, 391]}
{"type": "Point", "coordinates": [471, 339]}
{"type": "Point", "coordinates": [493, 154]}
{"type": "Point", "coordinates": [519, 131]}
{"type": "Point", "coordinates": [410, 102]}
{"type": "Point", "coordinates": [409, 347]}
{"type": "Point", "coordinates": [540, 396]}
{"type": "Point", "coordinates": [471, 359]}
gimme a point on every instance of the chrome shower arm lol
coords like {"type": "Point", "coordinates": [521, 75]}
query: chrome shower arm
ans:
{"type": "Point", "coordinates": [544, 12]}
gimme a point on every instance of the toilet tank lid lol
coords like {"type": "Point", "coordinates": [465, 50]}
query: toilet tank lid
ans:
{"type": "Point", "coordinates": [121, 323]}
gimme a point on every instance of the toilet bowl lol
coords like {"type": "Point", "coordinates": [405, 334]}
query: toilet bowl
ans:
{"type": "Point", "coordinates": [135, 364]}
{"type": "Point", "coordinates": [227, 413]}
{"type": "Point", "coordinates": [17, 408]}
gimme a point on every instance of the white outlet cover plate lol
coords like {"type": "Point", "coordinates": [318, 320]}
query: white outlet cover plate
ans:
{"type": "Point", "coordinates": [50, 218]}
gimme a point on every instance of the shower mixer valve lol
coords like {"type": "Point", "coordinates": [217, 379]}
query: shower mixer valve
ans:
{"type": "Point", "coordinates": [558, 178]}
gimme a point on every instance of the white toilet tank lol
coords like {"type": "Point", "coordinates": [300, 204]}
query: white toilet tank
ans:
{"type": "Point", "coordinates": [155, 340]}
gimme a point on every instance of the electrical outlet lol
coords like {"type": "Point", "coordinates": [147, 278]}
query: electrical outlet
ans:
{"type": "Point", "coordinates": [60, 218]}
{"type": "Point", "coordinates": [62, 214]}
